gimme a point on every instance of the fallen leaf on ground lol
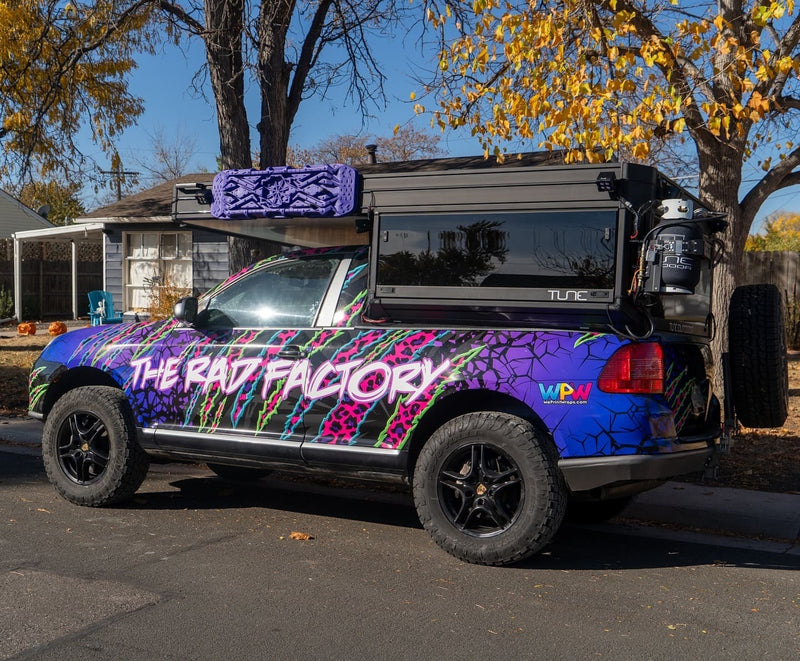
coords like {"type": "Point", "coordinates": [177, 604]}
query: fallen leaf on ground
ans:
{"type": "Point", "coordinates": [301, 535]}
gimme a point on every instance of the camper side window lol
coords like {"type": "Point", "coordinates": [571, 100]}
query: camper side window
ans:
{"type": "Point", "coordinates": [512, 249]}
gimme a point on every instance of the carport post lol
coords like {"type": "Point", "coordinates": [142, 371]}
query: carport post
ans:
{"type": "Point", "coordinates": [74, 279]}
{"type": "Point", "coordinates": [17, 279]}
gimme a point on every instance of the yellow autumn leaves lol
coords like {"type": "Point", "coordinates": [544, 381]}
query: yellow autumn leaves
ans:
{"type": "Point", "coordinates": [594, 78]}
{"type": "Point", "coordinates": [62, 63]}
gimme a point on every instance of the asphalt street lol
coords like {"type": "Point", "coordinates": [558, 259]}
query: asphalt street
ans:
{"type": "Point", "coordinates": [199, 568]}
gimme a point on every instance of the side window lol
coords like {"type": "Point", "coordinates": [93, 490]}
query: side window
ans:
{"type": "Point", "coordinates": [284, 294]}
{"type": "Point", "coordinates": [354, 291]}
{"type": "Point", "coordinates": [540, 249]}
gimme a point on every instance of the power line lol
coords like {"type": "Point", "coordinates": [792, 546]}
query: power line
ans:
{"type": "Point", "coordinates": [119, 174]}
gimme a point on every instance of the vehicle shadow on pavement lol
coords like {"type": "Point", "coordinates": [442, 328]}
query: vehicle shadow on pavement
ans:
{"type": "Point", "coordinates": [354, 502]}
{"type": "Point", "coordinates": [23, 468]}
{"type": "Point", "coordinates": [574, 548]}
{"type": "Point", "coordinates": [612, 547]}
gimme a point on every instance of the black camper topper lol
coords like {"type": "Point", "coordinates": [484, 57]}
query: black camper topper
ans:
{"type": "Point", "coordinates": [527, 241]}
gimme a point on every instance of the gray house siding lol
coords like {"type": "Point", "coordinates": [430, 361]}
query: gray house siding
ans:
{"type": "Point", "coordinates": [209, 260]}
{"type": "Point", "coordinates": [113, 266]}
{"type": "Point", "coordinates": [16, 217]}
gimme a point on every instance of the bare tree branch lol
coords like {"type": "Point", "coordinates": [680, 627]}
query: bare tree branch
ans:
{"type": "Point", "coordinates": [308, 54]}
{"type": "Point", "coordinates": [779, 176]}
{"type": "Point", "coordinates": [182, 16]}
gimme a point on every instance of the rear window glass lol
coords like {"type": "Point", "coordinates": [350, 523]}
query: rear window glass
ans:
{"type": "Point", "coordinates": [573, 249]}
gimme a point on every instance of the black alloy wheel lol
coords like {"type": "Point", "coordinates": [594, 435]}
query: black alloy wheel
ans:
{"type": "Point", "coordinates": [90, 448]}
{"type": "Point", "coordinates": [83, 447]}
{"type": "Point", "coordinates": [487, 488]}
{"type": "Point", "coordinates": [480, 490]}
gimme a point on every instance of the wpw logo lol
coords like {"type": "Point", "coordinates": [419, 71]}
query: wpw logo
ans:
{"type": "Point", "coordinates": [565, 393]}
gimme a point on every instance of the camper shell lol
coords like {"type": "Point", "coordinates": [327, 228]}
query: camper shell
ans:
{"type": "Point", "coordinates": [526, 241]}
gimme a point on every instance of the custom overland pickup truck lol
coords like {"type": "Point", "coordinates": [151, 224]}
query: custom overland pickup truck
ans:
{"type": "Point", "coordinates": [514, 342]}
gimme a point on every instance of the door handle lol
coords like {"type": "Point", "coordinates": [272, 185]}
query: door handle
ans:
{"type": "Point", "coordinates": [291, 352]}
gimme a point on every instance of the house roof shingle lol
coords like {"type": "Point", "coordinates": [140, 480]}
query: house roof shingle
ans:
{"type": "Point", "coordinates": [150, 203]}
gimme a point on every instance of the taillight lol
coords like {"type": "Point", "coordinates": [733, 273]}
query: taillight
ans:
{"type": "Point", "coordinates": [636, 368]}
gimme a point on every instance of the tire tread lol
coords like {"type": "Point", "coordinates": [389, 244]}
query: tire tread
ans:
{"type": "Point", "coordinates": [133, 463]}
{"type": "Point", "coordinates": [757, 348]}
{"type": "Point", "coordinates": [549, 486]}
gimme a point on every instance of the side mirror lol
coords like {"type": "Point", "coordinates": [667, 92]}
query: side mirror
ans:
{"type": "Point", "coordinates": [186, 309]}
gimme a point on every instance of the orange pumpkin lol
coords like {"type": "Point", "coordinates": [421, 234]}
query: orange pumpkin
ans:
{"type": "Point", "coordinates": [57, 328]}
{"type": "Point", "coordinates": [26, 328]}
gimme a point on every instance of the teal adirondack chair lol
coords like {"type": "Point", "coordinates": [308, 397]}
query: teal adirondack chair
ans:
{"type": "Point", "coordinates": [101, 308]}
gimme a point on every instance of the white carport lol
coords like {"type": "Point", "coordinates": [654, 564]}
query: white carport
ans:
{"type": "Point", "coordinates": [67, 233]}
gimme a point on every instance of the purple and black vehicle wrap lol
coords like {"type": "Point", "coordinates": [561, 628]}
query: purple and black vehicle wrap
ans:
{"type": "Point", "coordinates": [366, 390]}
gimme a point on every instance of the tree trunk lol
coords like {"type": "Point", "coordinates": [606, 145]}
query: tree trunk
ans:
{"type": "Point", "coordinates": [243, 251]}
{"type": "Point", "coordinates": [275, 121]}
{"type": "Point", "coordinates": [225, 30]}
{"type": "Point", "coordinates": [273, 77]}
{"type": "Point", "coordinates": [720, 177]}
{"type": "Point", "coordinates": [223, 41]}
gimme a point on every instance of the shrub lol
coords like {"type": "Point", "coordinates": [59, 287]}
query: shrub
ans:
{"type": "Point", "coordinates": [6, 303]}
{"type": "Point", "coordinates": [165, 294]}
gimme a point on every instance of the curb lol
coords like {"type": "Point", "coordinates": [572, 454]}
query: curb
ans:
{"type": "Point", "coordinates": [761, 514]}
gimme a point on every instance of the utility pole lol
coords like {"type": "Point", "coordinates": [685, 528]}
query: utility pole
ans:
{"type": "Point", "coordinates": [119, 174]}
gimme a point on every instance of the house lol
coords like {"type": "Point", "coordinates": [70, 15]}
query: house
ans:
{"type": "Point", "coordinates": [14, 217]}
{"type": "Point", "coordinates": [142, 248]}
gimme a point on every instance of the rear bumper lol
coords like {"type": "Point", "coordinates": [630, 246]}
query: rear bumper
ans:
{"type": "Point", "coordinates": [585, 473]}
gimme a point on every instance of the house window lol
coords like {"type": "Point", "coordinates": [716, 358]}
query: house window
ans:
{"type": "Point", "coordinates": [153, 260]}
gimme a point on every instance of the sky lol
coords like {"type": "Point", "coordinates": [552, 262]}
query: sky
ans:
{"type": "Point", "coordinates": [164, 82]}
{"type": "Point", "coordinates": [172, 107]}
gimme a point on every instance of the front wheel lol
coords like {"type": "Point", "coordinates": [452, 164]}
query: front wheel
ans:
{"type": "Point", "coordinates": [488, 490]}
{"type": "Point", "coordinates": [89, 447]}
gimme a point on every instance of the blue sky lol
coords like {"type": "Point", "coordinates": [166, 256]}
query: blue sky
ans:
{"type": "Point", "coordinates": [164, 82]}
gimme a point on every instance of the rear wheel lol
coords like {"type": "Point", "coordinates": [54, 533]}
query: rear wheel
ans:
{"type": "Point", "coordinates": [89, 447]}
{"type": "Point", "coordinates": [757, 351]}
{"type": "Point", "coordinates": [488, 489]}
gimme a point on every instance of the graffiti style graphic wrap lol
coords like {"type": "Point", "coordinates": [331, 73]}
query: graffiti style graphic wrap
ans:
{"type": "Point", "coordinates": [368, 387]}
{"type": "Point", "coordinates": [311, 191]}
{"type": "Point", "coordinates": [365, 387]}
{"type": "Point", "coordinates": [678, 388]}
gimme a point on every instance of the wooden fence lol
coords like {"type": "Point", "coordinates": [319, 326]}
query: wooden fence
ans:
{"type": "Point", "coordinates": [47, 276]}
{"type": "Point", "coordinates": [781, 269]}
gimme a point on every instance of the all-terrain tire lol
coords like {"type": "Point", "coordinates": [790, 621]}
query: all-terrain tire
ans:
{"type": "Point", "coordinates": [89, 447]}
{"type": "Point", "coordinates": [238, 473]}
{"type": "Point", "coordinates": [488, 489]}
{"type": "Point", "coordinates": [757, 351]}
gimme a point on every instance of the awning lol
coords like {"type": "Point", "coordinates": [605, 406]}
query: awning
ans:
{"type": "Point", "coordinates": [65, 233]}
{"type": "Point", "coordinates": [313, 206]}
